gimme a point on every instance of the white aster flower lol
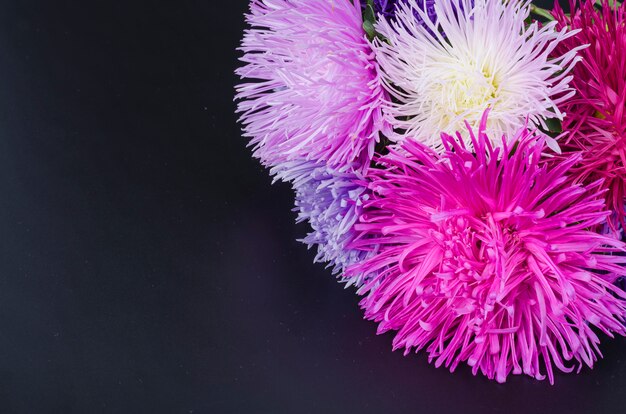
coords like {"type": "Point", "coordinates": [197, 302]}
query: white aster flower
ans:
{"type": "Point", "coordinates": [478, 54]}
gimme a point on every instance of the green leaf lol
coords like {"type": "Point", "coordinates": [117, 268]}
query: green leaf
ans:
{"type": "Point", "coordinates": [541, 12]}
{"type": "Point", "coordinates": [369, 29]}
{"type": "Point", "coordinates": [369, 20]}
{"type": "Point", "coordinates": [554, 125]}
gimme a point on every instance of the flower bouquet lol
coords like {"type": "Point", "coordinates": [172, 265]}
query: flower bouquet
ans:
{"type": "Point", "coordinates": [460, 162]}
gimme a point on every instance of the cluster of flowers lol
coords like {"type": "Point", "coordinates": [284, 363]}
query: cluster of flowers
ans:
{"type": "Point", "coordinates": [459, 162]}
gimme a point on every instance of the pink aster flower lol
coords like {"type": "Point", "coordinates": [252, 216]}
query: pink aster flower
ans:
{"type": "Point", "coordinates": [312, 89]}
{"type": "Point", "coordinates": [596, 120]}
{"type": "Point", "coordinates": [486, 258]}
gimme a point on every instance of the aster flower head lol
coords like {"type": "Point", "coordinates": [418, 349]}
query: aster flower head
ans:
{"type": "Point", "coordinates": [388, 7]}
{"type": "Point", "coordinates": [476, 55]}
{"type": "Point", "coordinates": [330, 201]}
{"type": "Point", "coordinates": [486, 257]}
{"type": "Point", "coordinates": [311, 88]}
{"type": "Point", "coordinates": [596, 118]}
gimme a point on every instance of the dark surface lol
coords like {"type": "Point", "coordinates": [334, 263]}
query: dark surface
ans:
{"type": "Point", "coordinates": [146, 263]}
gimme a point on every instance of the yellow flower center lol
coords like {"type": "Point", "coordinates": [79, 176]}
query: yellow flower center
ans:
{"type": "Point", "coordinates": [469, 90]}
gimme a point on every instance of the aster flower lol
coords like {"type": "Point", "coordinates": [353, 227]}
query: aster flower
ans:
{"type": "Point", "coordinates": [331, 201]}
{"type": "Point", "coordinates": [477, 55]}
{"type": "Point", "coordinates": [311, 88]}
{"type": "Point", "coordinates": [486, 257]}
{"type": "Point", "coordinates": [596, 122]}
{"type": "Point", "coordinates": [388, 7]}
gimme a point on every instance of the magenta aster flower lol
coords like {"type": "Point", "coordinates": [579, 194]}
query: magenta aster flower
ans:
{"type": "Point", "coordinates": [486, 258]}
{"type": "Point", "coordinates": [312, 88]}
{"type": "Point", "coordinates": [596, 119]}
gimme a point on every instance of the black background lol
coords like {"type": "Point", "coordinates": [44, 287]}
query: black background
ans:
{"type": "Point", "coordinates": [146, 263]}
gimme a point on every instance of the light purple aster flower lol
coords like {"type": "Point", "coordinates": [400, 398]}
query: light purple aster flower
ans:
{"type": "Point", "coordinates": [331, 202]}
{"type": "Point", "coordinates": [311, 84]}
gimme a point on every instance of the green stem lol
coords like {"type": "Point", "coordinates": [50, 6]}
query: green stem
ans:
{"type": "Point", "coordinates": [543, 12]}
